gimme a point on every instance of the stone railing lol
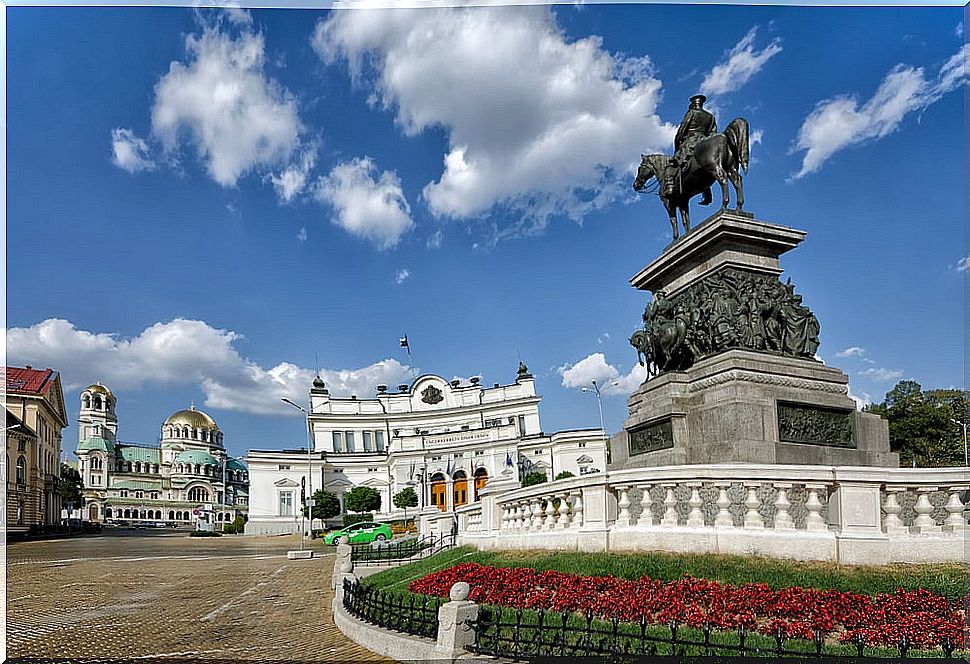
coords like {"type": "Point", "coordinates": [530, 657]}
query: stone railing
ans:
{"type": "Point", "coordinates": [853, 515]}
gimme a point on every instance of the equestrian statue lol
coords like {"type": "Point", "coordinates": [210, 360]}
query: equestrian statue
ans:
{"type": "Point", "coordinates": [701, 157]}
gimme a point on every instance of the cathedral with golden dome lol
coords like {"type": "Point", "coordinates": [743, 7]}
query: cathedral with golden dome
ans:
{"type": "Point", "coordinates": [186, 479]}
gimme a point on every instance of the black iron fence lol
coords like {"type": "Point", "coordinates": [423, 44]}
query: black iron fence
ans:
{"type": "Point", "coordinates": [400, 551]}
{"type": "Point", "coordinates": [536, 635]}
{"type": "Point", "coordinates": [401, 612]}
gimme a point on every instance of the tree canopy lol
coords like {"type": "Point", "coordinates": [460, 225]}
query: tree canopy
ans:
{"type": "Point", "coordinates": [362, 499]}
{"type": "Point", "coordinates": [71, 486]}
{"type": "Point", "coordinates": [923, 424]}
{"type": "Point", "coordinates": [533, 478]}
{"type": "Point", "coordinates": [326, 505]}
{"type": "Point", "coordinates": [406, 498]}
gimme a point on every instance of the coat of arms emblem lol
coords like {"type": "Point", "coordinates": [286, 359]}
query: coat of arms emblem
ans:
{"type": "Point", "coordinates": [431, 395]}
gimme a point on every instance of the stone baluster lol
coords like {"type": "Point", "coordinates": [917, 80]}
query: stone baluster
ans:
{"type": "Point", "coordinates": [623, 504]}
{"type": "Point", "coordinates": [563, 521]}
{"type": "Point", "coordinates": [550, 512]}
{"type": "Point", "coordinates": [670, 502]}
{"type": "Point", "coordinates": [695, 518]}
{"type": "Point", "coordinates": [955, 521]}
{"type": "Point", "coordinates": [723, 519]}
{"type": "Point", "coordinates": [891, 523]}
{"type": "Point", "coordinates": [783, 520]}
{"type": "Point", "coordinates": [516, 516]}
{"type": "Point", "coordinates": [924, 523]}
{"type": "Point", "coordinates": [752, 519]}
{"type": "Point", "coordinates": [646, 506]}
{"type": "Point", "coordinates": [536, 504]}
{"type": "Point", "coordinates": [814, 520]}
{"type": "Point", "coordinates": [577, 520]}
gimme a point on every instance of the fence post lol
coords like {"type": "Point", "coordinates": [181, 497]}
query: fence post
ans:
{"type": "Point", "coordinates": [342, 565]}
{"type": "Point", "coordinates": [454, 630]}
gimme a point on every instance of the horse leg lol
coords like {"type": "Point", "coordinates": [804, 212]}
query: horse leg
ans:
{"type": "Point", "coordinates": [738, 187]}
{"type": "Point", "coordinates": [672, 213]}
{"type": "Point", "coordinates": [685, 215]}
{"type": "Point", "coordinates": [722, 180]}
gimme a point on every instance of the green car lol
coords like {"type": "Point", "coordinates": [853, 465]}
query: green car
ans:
{"type": "Point", "coordinates": [361, 533]}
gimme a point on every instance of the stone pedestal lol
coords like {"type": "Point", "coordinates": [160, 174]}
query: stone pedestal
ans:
{"type": "Point", "coordinates": [753, 400]}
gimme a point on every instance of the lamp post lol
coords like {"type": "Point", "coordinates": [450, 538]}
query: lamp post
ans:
{"type": "Point", "coordinates": [963, 425]}
{"type": "Point", "coordinates": [599, 404]}
{"type": "Point", "coordinates": [309, 468]}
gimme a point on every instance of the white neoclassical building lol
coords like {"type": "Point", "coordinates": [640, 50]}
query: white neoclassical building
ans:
{"type": "Point", "coordinates": [446, 439]}
{"type": "Point", "coordinates": [188, 470]}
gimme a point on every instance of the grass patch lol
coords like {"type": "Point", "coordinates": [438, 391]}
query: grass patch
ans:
{"type": "Point", "coordinates": [947, 580]}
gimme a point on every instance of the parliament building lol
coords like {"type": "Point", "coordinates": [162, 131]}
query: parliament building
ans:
{"type": "Point", "coordinates": [445, 439]}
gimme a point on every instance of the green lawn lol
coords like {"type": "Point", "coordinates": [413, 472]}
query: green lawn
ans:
{"type": "Point", "coordinates": [948, 580]}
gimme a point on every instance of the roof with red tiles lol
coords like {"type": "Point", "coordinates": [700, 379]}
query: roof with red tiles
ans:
{"type": "Point", "coordinates": [27, 380]}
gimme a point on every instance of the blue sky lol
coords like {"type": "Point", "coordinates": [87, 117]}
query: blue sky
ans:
{"type": "Point", "coordinates": [208, 206]}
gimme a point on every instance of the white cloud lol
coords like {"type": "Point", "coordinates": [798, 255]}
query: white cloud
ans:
{"type": "Point", "coordinates": [603, 338]}
{"type": "Point", "coordinates": [535, 123]}
{"type": "Point", "coordinates": [963, 264]}
{"type": "Point", "coordinates": [607, 377]}
{"type": "Point", "coordinates": [292, 180]}
{"type": "Point", "coordinates": [757, 136]}
{"type": "Point", "coordinates": [880, 374]}
{"type": "Point", "coordinates": [959, 30]}
{"type": "Point", "coordinates": [130, 152]}
{"type": "Point", "coordinates": [221, 102]}
{"type": "Point", "coordinates": [852, 351]}
{"type": "Point", "coordinates": [840, 122]}
{"type": "Point", "coordinates": [301, 235]}
{"type": "Point", "coordinates": [434, 240]}
{"type": "Point", "coordinates": [739, 65]}
{"type": "Point", "coordinates": [182, 352]}
{"type": "Point", "coordinates": [402, 275]}
{"type": "Point", "coordinates": [374, 209]}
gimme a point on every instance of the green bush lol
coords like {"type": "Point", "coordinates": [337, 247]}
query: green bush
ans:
{"type": "Point", "coordinates": [205, 533]}
{"type": "Point", "coordinates": [564, 475]}
{"type": "Point", "coordinates": [533, 478]}
{"type": "Point", "coordinates": [236, 527]}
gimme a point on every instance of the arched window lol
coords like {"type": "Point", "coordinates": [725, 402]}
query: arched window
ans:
{"type": "Point", "coordinates": [127, 513]}
{"type": "Point", "coordinates": [171, 515]}
{"type": "Point", "coordinates": [107, 512]}
{"type": "Point", "coordinates": [185, 432]}
{"type": "Point", "coordinates": [21, 470]}
{"type": "Point", "coordinates": [86, 400]}
{"type": "Point", "coordinates": [198, 494]}
{"type": "Point", "coordinates": [481, 479]}
{"type": "Point", "coordinates": [97, 403]}
{"type": "Point", "coordinates": [439, 490]}
{"type": "Point", "coordinates": [129, 466]}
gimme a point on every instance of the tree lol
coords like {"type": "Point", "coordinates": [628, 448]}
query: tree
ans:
{"type": "Point", "coordinates": [564, 474]}
{"type": "Point", "coordinates": [362, 499]}
{"type": "Point", "coordinates": [71, 487]}
{"type": "Point", "coordinates": [533, 478]}
{"type": "Point", "coordinates": [921, 424]}
{"type": "Point", "coordinates": [406, 498]}
{"type": "Point", "coordinates": [326, 505]}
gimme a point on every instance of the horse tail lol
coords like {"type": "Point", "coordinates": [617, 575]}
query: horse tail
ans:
{"type": "Point", "coordinates": [737, 135]}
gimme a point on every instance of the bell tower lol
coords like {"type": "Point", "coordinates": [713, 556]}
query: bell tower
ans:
{"type": "Point", "coordinates": [97, 417]}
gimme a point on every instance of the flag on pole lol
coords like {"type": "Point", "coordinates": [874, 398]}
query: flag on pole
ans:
{"type": "Point", "coordinates": [404, 342]}
{"type": "Point", "coordinates": [411, 473]}
{"type": "Point", "coordinates": [508, 459]}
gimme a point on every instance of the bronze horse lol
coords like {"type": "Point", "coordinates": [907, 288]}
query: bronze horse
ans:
{"type": "Point", "coordinates": [717, 158]}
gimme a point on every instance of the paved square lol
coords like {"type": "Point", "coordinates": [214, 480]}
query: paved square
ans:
{"type": "Point", "coordinates": [133, 594]}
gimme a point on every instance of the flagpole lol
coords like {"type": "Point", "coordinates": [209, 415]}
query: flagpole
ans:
{"type": "Point", "coordinates": [407, 346]}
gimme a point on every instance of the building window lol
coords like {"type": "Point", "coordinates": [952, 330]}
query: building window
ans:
{"type": "Point", "coordinates": [367, 441]}
{"type": "Point", "coordinates": [283, 467]}
{"type": "Point", "coordinates": [286, 503]}
{"type": "Point", "coordinates": [199, 494]}
{"type": "Point", "coordinates": [479, 452]}
{"type": "Point", "coordinates": [379, 439]}
{"type": "Point", "coordinates": [139, 494]}
{"type": "Point", "coordinates": [338, 444]}
{"type": "Point", "coordinates": [582, 445]}
{"type": "Point", "coordinates": [497, 422]}
{"type": "Point", "coordinates": [21, 470]}
{"type": "Point", "coordinates": [372, 470]}
{"type": "Point", "coordinates": [349, 438]}
{"type": "Point", "coordinates": [521, 425]}
{"type": "Point", "coordinates": [124, 493]}
{"type": "Point", "coordinates": [95, 479]}
{"type": "Point", "coordinates": [22, 446]}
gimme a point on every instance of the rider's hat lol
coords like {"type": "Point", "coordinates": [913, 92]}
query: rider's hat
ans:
{"type": "Point", "coordinates": [700, 99]}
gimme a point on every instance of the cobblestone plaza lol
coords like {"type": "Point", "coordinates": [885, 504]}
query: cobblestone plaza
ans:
{"type": "Point", "coordinates": [144, 594]}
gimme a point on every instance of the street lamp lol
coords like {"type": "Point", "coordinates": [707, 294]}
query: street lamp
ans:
{"type": "Point", "coordinates": [309, 468]}
{"type": "Point", "coordinates": [964, 426]}
{"type": "Point", "coordinates": [599, 404]}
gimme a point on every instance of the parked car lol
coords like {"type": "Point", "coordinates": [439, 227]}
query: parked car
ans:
{"type": "Point", "coordinates": [361, 533]}
{"type": "Point", "coordinates": [90, 527]}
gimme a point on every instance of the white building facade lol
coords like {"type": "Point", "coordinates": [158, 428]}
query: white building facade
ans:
{"type": "Point", "coordinates": [184, 478]}
{"type": "Point", "coordinates": [445, 439]}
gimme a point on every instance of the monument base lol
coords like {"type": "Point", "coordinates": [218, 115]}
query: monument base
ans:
{"type": "Point", "coordinates": [749, 407]}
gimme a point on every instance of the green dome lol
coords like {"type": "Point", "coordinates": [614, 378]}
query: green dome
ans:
{"type": "Point", "coordinates": [196, 457]}
{"type": "Point", "coordinates": [236, 464]}
{"type": "Point", "coordinates": [96, 443]}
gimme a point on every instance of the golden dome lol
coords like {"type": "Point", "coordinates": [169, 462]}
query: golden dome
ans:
{"type": "Point", "coordinates": [192, 418]}
{"type": "Point", "coordinates": [98, 388]}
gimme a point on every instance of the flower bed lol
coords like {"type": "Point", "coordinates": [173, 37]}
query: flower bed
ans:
{"type": "Point", "coordinates": [924, 618]}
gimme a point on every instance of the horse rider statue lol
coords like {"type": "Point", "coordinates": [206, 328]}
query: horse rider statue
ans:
{"type": "Point", "coordinates": [697, 125]}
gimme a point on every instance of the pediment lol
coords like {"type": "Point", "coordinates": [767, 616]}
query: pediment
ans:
{"type": "Point", "coordinates": [585, 459]}
{"type": "Point", "coordinates": [286, 482]}
{"type": "Point", "coordinates": [373, 481]}
{"type": "Point", "coordinates": [339, 480]}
